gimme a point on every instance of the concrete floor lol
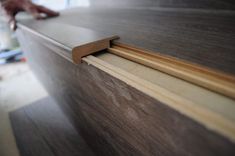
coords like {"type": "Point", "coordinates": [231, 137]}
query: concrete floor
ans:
{"type": "Point", "coordinates": [18, 87]}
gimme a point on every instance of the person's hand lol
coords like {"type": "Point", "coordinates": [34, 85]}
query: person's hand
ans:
{"type": "Point", "coordinates": [12, 7]}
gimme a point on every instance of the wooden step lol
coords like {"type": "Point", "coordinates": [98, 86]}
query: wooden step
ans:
{"type": "Point", "coordinates": [41, 128]}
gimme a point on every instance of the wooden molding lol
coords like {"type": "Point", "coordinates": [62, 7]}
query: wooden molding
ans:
{"type": "Point", "coordinates": [216, 81]}
{"type": "Point", "coordinates": [87, 49]}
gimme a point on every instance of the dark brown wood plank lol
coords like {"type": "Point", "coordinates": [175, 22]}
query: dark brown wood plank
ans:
{"type": "Point", "coordinates": [114, 118]}
{"type": "Point", "coordinates": [203, 37]}
{"type": "Point", "coordinates": [41, 129]}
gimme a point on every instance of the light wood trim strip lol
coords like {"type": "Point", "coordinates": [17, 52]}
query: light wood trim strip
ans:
{"type": "Point", "coordinates": [206, 117]}
{"type": "Point", "coordinates": [216, 81]}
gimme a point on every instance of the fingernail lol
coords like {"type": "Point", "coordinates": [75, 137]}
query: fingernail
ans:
{"type": "Point", "coordinates": [13, 26]}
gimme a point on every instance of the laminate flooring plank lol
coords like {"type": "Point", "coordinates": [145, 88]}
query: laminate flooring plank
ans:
{"type": "Point", "coordinates": [41, 129]}
{"type": "Point", "coordinates": [204, 37]}
{"type": "Point", "coordinates": [115, 118]}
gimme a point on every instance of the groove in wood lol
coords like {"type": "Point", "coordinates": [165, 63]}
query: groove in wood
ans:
{"type": "Point", "coordinates": [214, 80]}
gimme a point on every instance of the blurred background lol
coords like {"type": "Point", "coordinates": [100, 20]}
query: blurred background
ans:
{"type": "Point", "coordinates": [9, 47]}
{"type": "Point", "coordinates": [18, 85]}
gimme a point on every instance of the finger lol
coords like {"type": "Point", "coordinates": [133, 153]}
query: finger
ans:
{"type": "Point", "coordinates": [12, 23]}
{"type": "Point", "coordinates": [48, 12]}
{"type": "Point", "coordinates": [38, 16]}
{"type": "Point", "coordinates": [34, 12]}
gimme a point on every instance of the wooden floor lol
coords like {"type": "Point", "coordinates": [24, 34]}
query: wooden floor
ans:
{"type": "Point", "coordinates": [41, 129]}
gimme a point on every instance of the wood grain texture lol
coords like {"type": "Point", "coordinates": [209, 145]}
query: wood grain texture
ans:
{"type": "Point", "coordinates": [41, 129]}
{"type": "Point", "coordinates": [203, 37]}
{"type": "Point", "coordinates": [115, 118]}
{"type": "Point", "coordinates": [207, 117]}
